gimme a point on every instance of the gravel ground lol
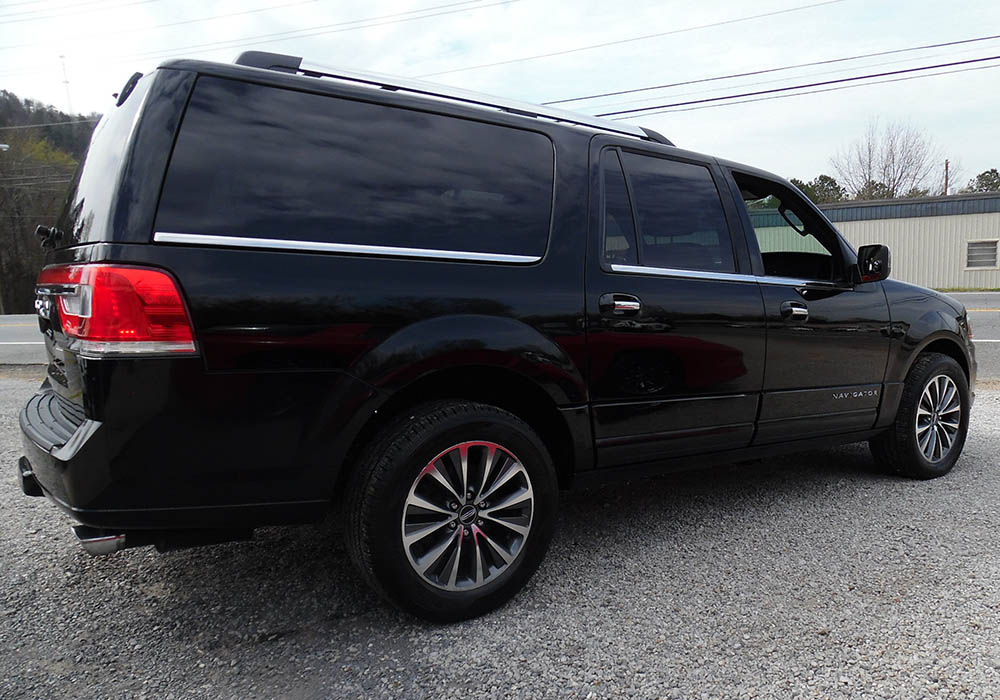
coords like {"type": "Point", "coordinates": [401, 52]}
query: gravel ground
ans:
{"type": "Point", "coordinates": [808, 576]}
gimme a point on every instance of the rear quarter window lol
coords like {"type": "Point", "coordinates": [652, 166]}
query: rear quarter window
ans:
{"type": "Point", "coordinates": [263, 162]}
{"type": "Point", "coordinates": [87, 212]}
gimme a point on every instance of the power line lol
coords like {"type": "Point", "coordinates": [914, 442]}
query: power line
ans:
{"type": "Point", "coordinates": [170, 24]}
{"type": "Point", "coordinates": [39, 126]}
{"type": "Point", "coordinates": [631, 39]}
{"type": "Point", "coordinates": [773, 70]}
{"type": "Point", "coordinates": [69, 10]}
{"type": "Point", "coordinates": [796, 87]}
{"type": "Point", "coordinates": [813, 92]}
{"type": "Point", "coordinates": [779, 80]}
{"type": "Point", "coordinates": [393, 18]}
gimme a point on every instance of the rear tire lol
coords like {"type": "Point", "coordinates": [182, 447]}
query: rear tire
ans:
{"type": "Point", "coordinates": [928, 434]}
{"type": "Point", "coordinates": [451, 509]}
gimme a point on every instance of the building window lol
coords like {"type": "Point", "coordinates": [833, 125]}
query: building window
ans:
{"type": "Point", "coordinates": [981, 254]}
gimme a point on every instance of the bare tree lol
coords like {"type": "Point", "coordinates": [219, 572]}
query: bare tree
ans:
{"type": "Point", "coordinates": [888, 161]}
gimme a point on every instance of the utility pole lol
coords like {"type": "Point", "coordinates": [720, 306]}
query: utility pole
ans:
{"type": "Point", "coordinates": [69, 103]}
{"type": "Point", "coordinates": [945, 177]}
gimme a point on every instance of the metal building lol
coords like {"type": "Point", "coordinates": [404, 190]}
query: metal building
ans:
{"type": "Point", "coordinates": [940, 242]}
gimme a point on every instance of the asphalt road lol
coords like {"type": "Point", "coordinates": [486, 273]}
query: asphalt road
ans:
{"type": "Point", "coordinates": [809, 576]}
{"type": "Point", "coordinates": [984, 314]}
{"type": "Point", "coordinates": [20, 342]}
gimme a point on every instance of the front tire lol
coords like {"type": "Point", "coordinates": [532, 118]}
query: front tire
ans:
{"type": "Point", "coordinates": [451, 509]}
{"type": "Point", "coordinates": [932, 422]}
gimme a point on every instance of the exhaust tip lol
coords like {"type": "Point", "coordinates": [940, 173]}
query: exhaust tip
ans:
{"type": "Point", "coordinates": [97, 542]}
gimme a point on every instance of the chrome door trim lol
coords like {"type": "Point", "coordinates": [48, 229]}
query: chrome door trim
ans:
{"type": "Point", "coordinates": [724, 276]}
{"type": "Point", "coordinates": [202, 239]}
{"type": "Point", "coordinates": [687, 274]}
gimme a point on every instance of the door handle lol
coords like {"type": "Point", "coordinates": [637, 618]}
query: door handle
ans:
{"type": "Point", "coordinates": [794, 310]}
{"type": "Point", "coordinates": [617, 304]}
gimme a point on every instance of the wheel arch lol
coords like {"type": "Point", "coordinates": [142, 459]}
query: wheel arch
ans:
{"type": "Point", "coordinates": [565, 431]}
{"type": "Point", "coordinates": [945, 343]}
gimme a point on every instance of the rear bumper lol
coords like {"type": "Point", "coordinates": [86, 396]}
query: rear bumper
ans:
{"type": "Point", "coordinates": [70, 465]}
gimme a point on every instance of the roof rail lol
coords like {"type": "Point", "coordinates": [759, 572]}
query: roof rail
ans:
{"type": "Point", "coordinates": [294, 64]}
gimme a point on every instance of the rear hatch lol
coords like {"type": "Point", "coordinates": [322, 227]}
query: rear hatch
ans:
{"type": "Point", "coordinates": [89, 310]}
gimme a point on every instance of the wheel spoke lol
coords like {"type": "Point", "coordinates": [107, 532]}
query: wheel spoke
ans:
{"type": "Point", "coordinates": [507, 557]}
{"type": "Point", "coordinates": [519, 529]}
{"type": "Point", "coordinates": [491, 453]}
{"type": "Point", "coordinates": [421, 502]}
{"type": "Point", "coordinates": [512, 470]}
{"type": "Point", "coordinates": [931, 442]}
{"type": "Point", "coordinates": [477, 534]}
{"type": "Point", "coordinates": [943, 440]}
{"type": "Point", "coordinates": [417, 535]}
{"type": "Point", "coordinates": [435, 473]}
{"type": "Point", "coordinates": [456, 560]}
{"type": "Point", "coordinates": [511, 500]}
{"type": "Point", "coordinates": [949, 394]}
{"type": "Point", "coordinates": [925, 442]}
{"type": "Point", "coordinates": [432, 557]}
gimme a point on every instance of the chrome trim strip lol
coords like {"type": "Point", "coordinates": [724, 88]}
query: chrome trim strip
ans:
{"type": "Point", "coordinates": [688, 274]}
{"type": "Point", "coordinates": [786, 281]}
{"type": "Point", "coordinates": [651, 402]}
{"type": "Point", "coordinates": [57, 290]}
{"type": "Point", "coordinates": [724, 276]}
{"type": "Point", "coordinates": [321, 247]}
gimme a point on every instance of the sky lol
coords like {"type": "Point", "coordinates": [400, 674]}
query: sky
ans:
{"type": "Point", "coordinates": [450, 41]}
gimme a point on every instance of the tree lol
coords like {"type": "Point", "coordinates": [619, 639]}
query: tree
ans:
{"type": "Point", "coordinates": [986, 181]}
{"type": "Point", "coordinates": [888, 161]}
{"type": "Point", "coordinates": [822, 189]}
{"type": "Point", "coordinates": [33, 180]}
{"type": "Point", "coordinates": [34, 177]}
{"type": "Point", "coordinates": [873, 190]}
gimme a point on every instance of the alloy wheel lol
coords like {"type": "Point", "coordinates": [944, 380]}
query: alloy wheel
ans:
{"type": "Point", "coordinates": [467, 515]}
{"type": "Point", "coordinates": [939, 416]}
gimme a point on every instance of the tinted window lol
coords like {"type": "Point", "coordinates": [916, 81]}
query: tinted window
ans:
{"type": "Point", "coordinates": [270, 163]}
{"type": "Point", "coordinates": [86, 214]}
{"type": "Point", "coordinates": [681, 221]}
{"type": "Point", "coordinates": [619, 226]}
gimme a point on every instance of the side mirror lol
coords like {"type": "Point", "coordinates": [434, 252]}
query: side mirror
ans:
{"type": "Point", "coordinates": [874, 263]}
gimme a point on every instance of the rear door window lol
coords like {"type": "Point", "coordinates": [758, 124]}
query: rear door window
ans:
{"type": "Point", "coordinates": [263, 162]}
{"type": "Point", "coordinates": [681, 221]}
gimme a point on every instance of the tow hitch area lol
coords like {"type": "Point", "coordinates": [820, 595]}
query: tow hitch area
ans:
{"type": "Point", "coordinates": [26, 479]}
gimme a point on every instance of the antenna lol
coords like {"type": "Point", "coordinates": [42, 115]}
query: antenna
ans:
{"type": "Point", "coordinates": [69, 102]}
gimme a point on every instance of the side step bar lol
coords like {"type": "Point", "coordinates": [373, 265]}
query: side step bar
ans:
{"type": "Point", "coordinates": [97, 542]}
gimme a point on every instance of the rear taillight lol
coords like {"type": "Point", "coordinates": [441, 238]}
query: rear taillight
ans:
{"type": "Point", "coordinates": [111, 310]}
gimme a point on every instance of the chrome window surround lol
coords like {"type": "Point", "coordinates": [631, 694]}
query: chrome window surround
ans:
{"type": "Point", "coordinates": [202, 239]}
{"type": "Point", "coordinates": [723, 276]}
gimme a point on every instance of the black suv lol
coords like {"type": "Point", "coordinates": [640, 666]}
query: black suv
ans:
{"type": "Point", "coordinates": [275, 288]}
